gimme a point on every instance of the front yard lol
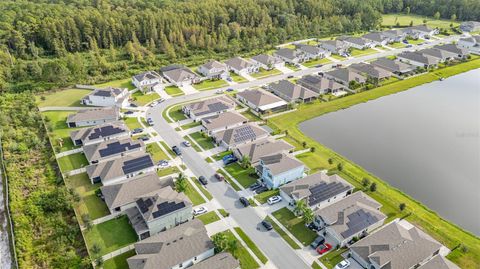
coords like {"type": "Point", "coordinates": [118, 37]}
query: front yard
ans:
{"type": "Point", "coordinates": [210, 84]}
{"type": "Point", "coordinates": [266, 73]}
{"type": "Point", "coordinates": [132, 123]}
{"type": "Point", "coordinates": [156, 152]}
{"type": "Point", "coordinates": [332, 258]}
{"type": "Point", "coordinates": [72, 162]}
{"type": "Point", "coordinates": [205, 142]}
{"type": "Point", "coordinates": [167, 171]}
{"type": "Point", "coordinates": [245, 177]}
{"type": "Point", "coordinates": [141, 99]}
{"type": "Point", "coordinates": [397, 45]}
{"type": "Point", "coordinates": [209, 217]}
{"type": "Point", "coordinates": [175, 112]}
{"type": "Point", "coordinates": [173, 91]}
{"type": "Point", "coordinates": [237, 78]}
{"type": "Point", "coordinates": [356, 52]}
{"type": "Point", "coordinates": [295, 225]}
{"type": "Point", "coordinates": [193, 195]}
{"type": "Point", "coordinates": [316, 62]}
{"type": "Point", "coordinates": [263, 197]}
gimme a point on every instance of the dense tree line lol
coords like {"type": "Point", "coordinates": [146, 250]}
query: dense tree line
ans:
{"type": "Point", "coordinates": [463, 10]}
{"type": "Point", "coordinates": [47, 234]}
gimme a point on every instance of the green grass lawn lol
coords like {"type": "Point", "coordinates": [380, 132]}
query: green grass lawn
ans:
{"type": "Point", "coordinates": [210, 84]}
{"type": "Point", "coordinates": [223, 212]}
{"type": "Point", "coordinates": [220, 155]}
{"type": "Point", "coordinates": [242, 175]}
{"type": "Point", "coordinates": [229, 180]}
{"type": "Point", "coordinates": [132, 123]}
{"type": "Point", "coordinates": [266, 73]}
{"type": "Point", "coordinates": [72, 162]}
{"type": "Point", "coordinates": [119, 83]}
{"type": "Point", "coordinates": [338, 57]}
{"type": "Point", "coordinates": [209, 217]}
{"type": "Point", "coordinates": [291, 66]}
{"type": "Point", "coordinates": [357, 52]}
{"type": "Point", "coordinates": [111, 235]}
{"type": "Point", "coordinates": [237, 78]}
{"type": "Point", "coordinates": [173, 91]}
{"type": "Point", "coordinates": [58, 132]}
{"type": "Point", "coordinates": [415, 41]}
{"type": "Point", "coordinates": [295, 225]}
{"type": "Point", "coordinates": [316, 62]}
{"type": "Point", "coordinates": [141, 99]}
{"type": "Point", "coordinates": [193, 195]}
{"type": "Point", "coordinates": [250, 116]}
{"type": "Point", "coordinates": [445, 232]}
{"type": "Point", "coordinates": [167, 171]}
{"type": "Point", "coordinates": [205, 142]}
{"type": "Point", "coordinates": [156, 152]}
{"type": "Point", "coordinates": [193, 145]}
{"type": "Point", "coordinates": [284, 235]}
{"type": "Point", "coordinates": [251, 245]}
{"type": "Point", "coordinates": [166, 147]}
{"type": "Point", "coordinates": [120, 261]}
{"type": "Point", "coordinates": [175, 113]}
{"type": "Point", "coordinates": [397, 45]}
{"type": "Point", "coordinates": [404, 20]}
{"type": "Point", "coordinates": [242, 255]}
{"type": "Point", "coordinates": [293, 142]}
{"type": "Point", "coordinates": [202, 189]}
{"type": "Point", "coordinates": [191, 125]}
{"type": "Point", "coordinates": [68, 97]}
{"type": "Point", "coordinates": [332, 258]}
{"type": "Point", "coordinates": [263, 197]}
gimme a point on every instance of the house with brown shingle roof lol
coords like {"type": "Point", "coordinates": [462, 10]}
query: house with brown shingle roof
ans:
{"type": "Point", "coordinates": [321, 85]}
{"type": "Point", "coordinates": [257, 149]}
{"type": "Point", "coordinates": [209, 107]}
{"type": "Point", "coordinates": [241, 66]}
{"type": "Point", "coordinates": [291, 92]}
{"type": "Point", "coordinates": [91, 117]}
{"type": "Point", "coordinates": [261, 101]}
{"type": "Point", "coordinates": [222, 121]}
{"type": "Point", "coordinates": [214, 70]}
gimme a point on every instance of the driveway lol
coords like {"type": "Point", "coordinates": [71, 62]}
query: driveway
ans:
{"type": "Point", "coordinates": [285, 69]}
{"type": "Point", "coordinates": [188, 89]}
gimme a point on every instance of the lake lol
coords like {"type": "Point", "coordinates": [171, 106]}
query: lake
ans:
{"type": "Point", "coordinates": [424, 141]}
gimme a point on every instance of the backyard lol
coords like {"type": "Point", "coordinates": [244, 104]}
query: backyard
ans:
{"type": "Point", "coordinates": [120, 261]}
{"type": "Point", "coordinates": [58, 130]}
{"type": "Point", "coordinates": [243, 176]}
{"type": "Point", "coordinates": [72, 162]}
{"type": "Point", "coordinates": [295, 225]}
{"type": "Point", "coordinates": [68, 97]}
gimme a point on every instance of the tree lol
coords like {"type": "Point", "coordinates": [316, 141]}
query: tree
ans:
{"type": "Point", "coordinates": [308, 215]}
{"type": "Point", "coordinates": [312, 149]}
{"type": "Point", "coordinates": [181, 183]}
{"type": "Point", "coordinates": [407, 10]}
{"type": "Point", "coordinates": [300, 207]}
{"type": "Point", "coordinates": [365, 182]}
{"type": "Point", "coordinates": [373, 187]}
{"type": "Point", "coordinates": [411, 23]}
{"type": "Point", "coordinates": [232, 246]}
{"type": "Point", "coordinates": [220, 241]}
{"type": "Point", "coordinates": [340, 167]}
{"type": "Point", "coordinates": [402, 206]}
{"type": "Point", "coordinates": [453, 17]}
{"type": "Point", "coordinates": [96, 249]}
{"type": "Point", "coordinates": [330, 161]}
{"type": "Point", "coordinates": [246, 161]}
{"type": "Point", "coordinates": [436, 15]}
{"type": "Point", "coordinates": [304, 144]}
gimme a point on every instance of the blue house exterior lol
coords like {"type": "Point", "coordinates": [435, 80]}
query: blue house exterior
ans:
{"type": "Point", "coordinates": [281, 170]}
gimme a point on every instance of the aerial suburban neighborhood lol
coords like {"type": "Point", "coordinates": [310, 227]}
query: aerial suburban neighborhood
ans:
{"type": "Point", "coordinates": [202, 165]}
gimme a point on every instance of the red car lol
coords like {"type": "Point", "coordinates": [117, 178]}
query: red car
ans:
{"type": "Point", "coordinates": [219, 177]}
{"type": "Point", "coordinates": [324, 248]}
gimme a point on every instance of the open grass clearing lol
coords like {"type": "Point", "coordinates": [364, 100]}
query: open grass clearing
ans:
{"type": "Point", "coordinates": [251, 245]}
{"type": "Point", "coordinates": [173, 91]}
{"type": "Point", "coordinates": [404, 20]}
{"type": "Point", "coordinates": [357, 52]}
{"type": "Point", "coordinates": [119, 83]}
{"type": "Point", "coordinates": [167, 171]}
{"type": "Point", "coordinates": [316, 62]}
{"type": "Point", "coordinates": [58, 130]}
{"type": "Point", "coordinates": [132, 123]}
{"type": "Point", "coordinates": [72, 162]}
{"type": "Point", "coordinates": [62, 98]}
{"type": "Point", "coordinates": [245, 177]}
{"type": "Point", "coordinates": [210, 84]}
{"type": "Point", "coordinates": [208, 218]}
{"type": "Point", "coordinates": [295, 225]}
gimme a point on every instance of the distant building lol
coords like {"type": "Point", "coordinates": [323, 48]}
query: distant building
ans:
{"type": "Point", "coordinates": [357, 42]}
{"type": "Point", "coordinates": [420, 31]}
{"type": "Point", "coordinates": [470, 43]}
{"type": "Point", "coordinates": [335, 46]}
{"type": "Point", "coordinates": [394, 66]}
{"type": "Point", "coordinates": [268, 62]}
{"type": "Point", "coordinates": [91, 117]}
{"type": "Point", "coordinates": [377, 38]}
{"type": "Point", "coordinates": [345, 76]}
{"type": "Point", "coordinates": [418, 59]}
{"type": "Point", "coordinates": [241, 66]}
{"type": "Point", "coordinates": [279, 169]}
{"type": "Point", "coordinates": [290, 56]}
{"type": "Point", "coordinates": [209, 107]}
{"type": "Point", "coordinates": [453, 50]}
{"type": "Point", "coordinates": [470, 26]}
{"type": "Point", "coordinates": [262, 101]}
{"type": "Point", "coordinates": [395, 35]}
{"type": "Point", "coordinates": [148, 81]}
{"type": "Point", "coordinates": [312, 52]}
{"type": "Point", "coordinates": [371, 71]}
{"type": "Point", "coordinates": [97, 134]}
{"type": "Point", "coordinates": [180, 75]}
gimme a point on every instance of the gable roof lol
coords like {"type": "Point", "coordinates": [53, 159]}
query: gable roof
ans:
{"type": "Point", "coordinates": [180, 74]}
{"type": "Point", "coordinates": [104, 113]}
{"type": "Point", "coordinates": [310, 49]}
{"type": "Point", "coordinates": [452, 48]}
{"type": "Point", "coordinates": [147, 75]}
{"type": "Point", "coordinates": [211, 105]}
{"type": "Point", "coordinates": [375, 36]}
{"type": "Point", "coordinates": [292, 91]}
{"type": "Point", "coordinates": [214, 64]}
{"type": "Point", "coordinates": [106, 92]}
{"type": "Point", "coordinates": [171, 247]}
{"type": "Point", "coordinates": [440, 54]}
{"type": "Point", "coordinates": [163, 202]}
{"type": "Point", "coordinates": [287, 53]}
{"type": "Point", "coordinates": [418, 57]}
{"type": "Point", "coordinates": [355, 40]}
{"type": "Point", "coordinates": [261, 148]}
{"type": "Point", "coordinates": [280, 163]}
{"type": "Point", "coordinates": [420, 28]}
{"type": "Point", "coordinates": [266, 59]}
{"type": "Point", "coordinates": [335, 43]}
{"type": "Point", "coordinates": [393, 65]}
{"type": "Point", "coordinates": [223, 260]}
{"type": "Point", "coordinates": [241, 134]}
{"type": "Point", "coordinates": [259, 97]}
{"type": "Point", "coordinates": [222, 120]}
{"type": "Point", "coordinates": [319, 84]}
{"type": "Point", "coordinates": [110, 148]}
{"type": "Point", "coordinates": [238, 63]}
{"type": "Point", "coordinates": [100, 131]}
{"type": "Point", "coordinates": [438, 262]}
{"type": "Point", "coordinates": [371, 70]}
{"type": "Point", "coordinates": [345, 74]}
{"type": "Point", "coordinates": [120, 166]}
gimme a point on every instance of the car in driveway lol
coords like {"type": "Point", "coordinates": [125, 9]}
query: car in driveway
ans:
{"type": "Point", "coordinates": [186, 144]}
{"type": "Point", "coordinates": [202, 180]}
{"type": "Point", "coordinates": [200, 210]}
{"type": "Point", "coordinates": [129, 112]}
{"type": "Point", "coordinates": [261, 189]}
{"type": "Point", "coordinates": [317, 242]}
{"type": "Point", "coordinates": [267, 225]}
{"type": "Point", "coordinates": [244, 201]}
{"type": "Point", "coordinates": [274, 199]}
{"type": "Point", "coordinates": [342, 265]}
{"type": "Point", "coordinates": [220, 91]}
{"type": "Point", "coordinates": [230, 90]}
{"type": "Point", "coordinates": [228, 159]}
{"type": "Point", "coordinates": [144, 138]}
{"type": "Point", "coordinates": [324, 248]}
{"type": "Point", "coordinates": [137, 130]}
{"type": "Point", "coordinates": [255, 186]}
{"type": "Point", "coordinates": [177, 150]}
{"type": "Point", "coordinates": [219, 177]}
{"type": "Point", "coordinates": [163, 163]}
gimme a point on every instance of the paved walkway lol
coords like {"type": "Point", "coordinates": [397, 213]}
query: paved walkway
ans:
{"type": "Point", "coordinates": [377, 49]}
{"type": "Point", "coordinates": [388, 47]}
{"type": "Point", "coordinates": [285, 69]}
{"type": "Point", "coordinates": [248, 77]}
{"type": "Point", "coordinates": [188, 89]}
{"type": "Point", "coordinates": [332, 59]}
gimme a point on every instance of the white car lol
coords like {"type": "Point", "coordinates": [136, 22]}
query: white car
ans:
{"type": "Point", "coordinates": [274, 199]}
{"type": "Point", "coordinates": [219, 91]}
{"type": "Point", "coordinates": [186, 144]}
{"type": "Point", "coordinates": [200, 210]}
{"type": "Point", "coordinates": [342, 265]}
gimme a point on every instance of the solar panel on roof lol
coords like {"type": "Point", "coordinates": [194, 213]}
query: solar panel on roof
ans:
{"type": "Point", "coordinates": [243, 134]}
{"type": "Point", "coordinates": [103, 93]}
{"type": "Point", "coordinates": [137, 164]}
{"type": "Point", "coordinates": [144, 204]}
{"type": "Point", "coordinates": [358, 221]}
{"type": "Point", "coordinates": [324, 191]}
{"type": "Point", "coordinates": [105, 131]}
{"type": "Point", "coordinates": [116, 148]}
{"type": "Point", "coordinates": [167, 207]}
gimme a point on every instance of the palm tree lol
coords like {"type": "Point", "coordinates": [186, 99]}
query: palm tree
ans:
{"type": "Point", "coordinates": [181, 184]}
{"type": "Point", "coordinates": [233, 246]}
{"type": "Point", "coordinates": [308, 216]}
{"type": "Point", "coordinates": [220, 242]}
{"type": "Point", "coordinates": [246, 161]}
{"type": "Point", "coordinates": [300, 207]}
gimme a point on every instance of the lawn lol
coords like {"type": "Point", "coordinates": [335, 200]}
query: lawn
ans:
{"type": "Point", "coordinates": [209, 217]}
{"type": "Point", "coordinates": [156, 152]}
{"type": "Point", "coordinates": [356, 52]}
{"type": "Point", "coordinates": [193, 145]}
{"type": "Point", "coordinates": [291, 66]}
{"type": "Point", "coordinates": [242, 175]}
{"type": "Point", "coordinates": [250, 116]}
{"type": "Point", "coordinates": [223, 212]}
{"type": "Point", "coordinates": [191, 125]}
{"type": "Point", "coordinates": [316, 62]}
{"type": "Point", "coordinates": [193, 195]}
{"type": "Point", "coordinates": [120, 261]}
{"type": "Point", "coordinates": [167, 171]}
{"type": "Point", "coordinates": [415, 41]}
{"type": "Point", "coordinates": [173, 91]}
{"type": "Point", "coordinates": [220, 155]}
{"type": "Point", "coordinates": [284, 235]}
{"type": "Point", "coordinates": [338, 57]}
{"type": "Point", "coordinates": [210, 84]}
{"type": "Point", "coordinates": [295, 225]}
{"type": "Point", "coordinates": [446, 232]}
{"type": "Point", "coordinates": [68, 97]}
{"type": "Point", "coordinates": [263, 197]}
{"type": "Point", "coordinates": [72, 162]}
{"type": "Point", "coordinates": [397, 45]}
{"type": "Point", "coordinates": [175, 112]}
{"type": "Point", "coordinates": [58, 132]}
{"type": "Point", "coordinates": [237, 78]}
{"type": "Point", "coordinates": [332, 258]}
{"type": "Point", "coordinates": [119, 83]}
{"type": "Point", "coordinates": [166, 147]}
{"type": "Point", "coordinates": [111, 235]}
{"type": "Point", "coordinates": [132, 123]}
{"type": "Point", "coordinates": [242, 255]}
{"type": "Point", "coordinates": [251, 245]}
{"type": "Point", "coordinates": [266, 73]}
{"type": "Point", "coordinates": [404, 20]}
{"type": "Point", "coordinates": [202, 189]}
{"type": "Point", "coordinates": [141, 99]}
{"type": "Point", "coordinates": [205, 142]}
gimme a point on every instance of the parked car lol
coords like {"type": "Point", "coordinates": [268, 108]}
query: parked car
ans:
{"type": "Point", "coordinates": [203, 180]}
{"type": "Point", "coordinates": [219, 91]}
{"type": "Point", "coordinates": [244, 201]}
{"type": "Point", "coordinates": [319, 65]}
{"type": "Point", "coordinates": [129, 112]}
{"type": "Point", "coordinates": [219, 177]}
{"type": "Point", "coordinates": [274, 199]}
{"type": "Point", "coordinates": [323, 248]}
{"type": "Point", "coordinates": [200, 210]}
{"type": "Point", "coordinates": [261, 189]}
{"type": "Point", "coordinates": [409, 45]}
{"type": "Point", "coordinates": [144, 138]}
{"type": "Point", "coordinates": [163, 163]}
{"type": "Point", "coordinates": [160, 100]}
{"type": "Point", "coordinates": [290, 76]}
{"type": "Point", "coordinates": [317, 242]}
{"type": "Point", "coordinates": [228, 159]}
{"type": "Point", "coordinates": [137, 130]}
{"type": "Point", "coordinates": [150, 121]}
{"type": "Point", "coordinates": [229, 79]}
{"type": "Point", "coordinates": [267, 225]}
{"type": "Point", "coordinates": [255, 186]}
{"type": "Point", "coordinates": [312, 226]}
{"type": "Point", "coordinates": [186, 144]}
{"type": "Point", "coordinates": [342, 265]}
{"type": "Point", "coordinates": [230, 90]}
{"type": "Point", "coordinates": [133, 105]}
{"type": "Point", "coordinates": [177, 150]}
{"type": "Point", "coordinates": [405, 41]}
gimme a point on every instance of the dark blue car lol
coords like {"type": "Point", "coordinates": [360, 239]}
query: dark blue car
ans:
{"type": "Point", "coordinates": [228, 159]}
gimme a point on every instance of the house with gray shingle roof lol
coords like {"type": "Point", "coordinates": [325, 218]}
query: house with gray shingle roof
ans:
{"type": "Point", "coordinates": [290, 55]}
{"type": "Point", "coordinates": [357, 42]}
{"type": "Point", "coordinates": [214, 70]}
{"type": "Point", "coordinates": [241, 66]}
{"type": "Point", "coordinates": [179, 247]}
{"type": "Point", "coordinates": [257, 149]}
{"type": "Point", "coordinates": [395, 35]}
{"type": "Point", "coordinates": [397, 245]}
{"type": "Point", "coordinates": [317, 190]}
{"type": "Point", "coordinates": [106, 97]}
{"type": "Point", "coordinates": [312, 52]}
{"type": "Point", "coordinates": [267, 62]}
{"type": "Point", "coordinates": [472, 43]}
{"type": "Point", "coordinates": [353, 216]}
{"type": "Point", "coordinates": [320, 85]}
{"type": "Point", "coordinates": [420, 31]}
{"type": "Point", "coordinates": [180, 75]}
{"type": "Point", "coordinates": [223, 121]}
{"type": "Point", "coordinates": [91, 117]}
{"type": "Point", "coordinates": [279, 169]}
{"type": "Point", "coordinates": [99, 133]}
{"type": "Point", "coordinates": [112, 149]}
{"type": "Point", "coordinates": [394, 66]}
{"type": "Point", "coordinates": [470, 26]}
{"type": "Point", "coordinates": [159, 211]}
{"type": "Point", "coordinates": [345, 76]}
{"type": "Point", "coordinates": [234, 137]}
{"type": "Point", "coordinates": [223, 260]}
{"type": "Point", "coordinates": [291, 92]}
{"type": "Point", "coordinates": [262, 101]}
{"type": "Point", "coordinates": [441, 55]}
{"type": "Point", "coordinates": [418, 59]}
{"type": "Point", "coordinates": [438, 262]}
{"type": "Point", "coordinates": [371, 71]}
{"type": "Point", "coordinates": [454, 50]}
{"type": "Point", "coordinates": [335, 46]}
{"type": "Point", "coordinates": [376, 38]}
{"type": "Point", "coordinates": [209, 107]}
{"type": "Point", "coordinates": [147, 81]}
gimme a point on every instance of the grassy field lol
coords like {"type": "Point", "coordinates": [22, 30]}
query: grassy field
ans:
{"type": "Point", "coordinates": [295, 225]}
{"type": "Point", "coordinates": [59, 130]}
{"type": "Point", "coordinates": [111, 235]}
{"type": "Point", "coordinates": [291, 66]}
{"type": "Point", "coordinates": [415, 41]}
{"type": "Point", "coordinates": [316, 62]}
{"type": "Point", "coordinates": [357, 52]}
{"type": "Point", "coordinates": [284, 235]}
{"type": "Point", "coordinates": [156, 152]}
{"type": "Point", "coordinates": [193, 195]}
{"type": "Point", "coordinates": [404, 20]}
{"type": "Point", "coordinates": [444, 231]}
{"type": "Point", "coordinates": [132, 123]}
{"type": "Point", "coordinates": [250, 116]}
{"type": "Point", "coordinates": [68, 97]}
{"type": "Point", "coordinates": [205, 142]}
{"type": "Point", "coordinates": [265, 73]}
{"type": "Point", "coordinates": [119, 83]}
{"type": "Point", "coordinates": [251, 245]}
{"type": "Point", "coordinates": [173, 91]}
{"type": "Point", "coordinates": [397, 45]}
{"type": "Point", "coordinates": [242, 175]}
{"type": "Point", "coordinates": [72, 162]}
{"type": "Point", "coordinates": [120, 261]}
{"type": "Point", "coordinates": [141, 99]}
{"type": "Point", "coordinates": [338, 57]}
{"type": "Point", "coordinates": [242, 255]}
{"type": "Point", "coordinates": [210, 84]}
{"type": "Point", "coordinates": [209, 217]}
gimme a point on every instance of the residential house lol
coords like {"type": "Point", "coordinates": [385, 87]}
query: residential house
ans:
{"type": "Point", "coordinates": [222, 122]}
{"type": "Point", "coordinates": [148, 81]}
{"type": "Point", "coordinates": [279, 169]}
{"type": "Point", "coordinates": [418, 59]}
{"type": "Point", "coordinates": [209, 107]}
{"type": "Point", "coordinates": [371, 71]}
{"type": "Point", "coordinates": [312, 52]}
{"type": "Point", "coordinates": [395, 35]}
{"type": "Point", "coordinates": [354, 216]}
{"type": "Point", "coordinates": [106, 97]}
{"type": "Point", "coordinates": [122, 196]}
{"type": "Point", "coordinates": [394, 66]}
{"type": "Point", "coordinates": [240, 135]}
{"type": "Point", "coordinates": [267, 62]}
{"type": "Point", "coordinates": [180, 75]}
{"type": "Point", "coordinates": [357, 42]}
{"type": "Point", "coordinates": [99, 133]}
{"type": "Point", "coordinates": [223, 260]}
{"type": "Point", "coordinates": [91, 117]}
{"type": "Point", "coordinates": [345, 76]}
{"type": "Point", "coordinates": [438, 262]}
{"type": "Point", "coordinates": [290, 56]}
{"type": "Point", "coordinates": [291, 92]}
{"type": "Point", "coordinates": [470, 26]}
{"type": "Point", "coordinates": [262, 101]}
{"type": "Point", "coordinates": [420, 31]}
{"type": "Point", "coordinates": [454, 50]}
{"type": "Point", "coordinates": [241, 66]}
{"type": "Point", "coordinates": [159, 211]}
{"type": "Point", "coordinates": [257, 149]}
{"type": "Point", "coordinates": [320, 85]}
{"type": "Point", "coordinates": [335, 46]}
{"type": "Point", "coordinates": [214, 70]}
{"type": "Point", "coordinates": [317, 190]}
{"type": "Point", "coordinates": [179, 247]}
{"type": "Point", "coordinates": [111, 149]}
{"type": "Point", "coordinates": [441, 55]}
{"type": "Point", "coordinates": [398, 245]}
{"type": "Point", "coordinates": [471, 43]}
{"type": "Point", "coordinates": [376, 38]}
{"type": "Point", "coordinates": [120, 169]}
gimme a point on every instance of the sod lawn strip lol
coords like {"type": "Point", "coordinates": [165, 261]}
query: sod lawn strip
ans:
{"type": "Point", "coordinates": [141, 99]}
{"type": "Point", "coordinates": [193, 195]}
{"type": "Point", "coordinates": [167, 171]}
{"type": "Point", "coordinates": [284, 235]}
{"type": "Point", "coordinates": [208, 218]}
{"type": "Point", "coordinates": [243, 256]}
{"type": "Point", "coordinates": [120, 261]}
{"type": "Point", "coordinates": [191, 125]}
{"type": "Point", "coordinates": [415, 41]}
{"type": "Point", "coordinates": [245, 177]}
{"type": "Point", "coordinates": [210, 84]}
{"type": "Point", "coordinates": [332, 258]}
{"type": "Point", "coordinates": [175, 112]}
{"type": "Point", "coordinates": [202, 189]}
{"type": "Point", "coordinates": [219, 156]}
{"type": "Point", "coordinates": [237, 78]}
{"type": "Point", "coordinates": [357, 52]}
{"type": "Point", "coordinates": [295, 225]}
{"type": "Point", "coordinates": [205, 142]}
{"type": "Point", "coordinates": [251, 245]}
{"type": "Point", "coordinates": [110, 235]}
{"type": "Point", "coordinates": [63, 98]}
{"type": "Point", "coordinates": [397, 45]}
{"type": "Point", "coordinates": [250, 116]}
{"type": "Point", "coordinates": [72, 161]}
{"type": "Point", "coordinates": [90, 204]}
{"type": "Point", "coordinates": [223, 212]}
{"type": "Point", "coordinates": [132, 123]}
{"type": "Point", "coordinates": [173, 91]}
{"type": "Point", "coordinates": [292, 67]}
{"type": "Point", "coordinates": [338, 57]}
{"type": "Point", "coordinates": [316, 62]}
{"type": "Point", "coordinates": [156, 152]}
{"type": "Point", "coordinates": [266, 73]}
{"type": "Point", "coordinates": [167, 148]}
{"type": "Point", "coordinates": [229, 180]}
